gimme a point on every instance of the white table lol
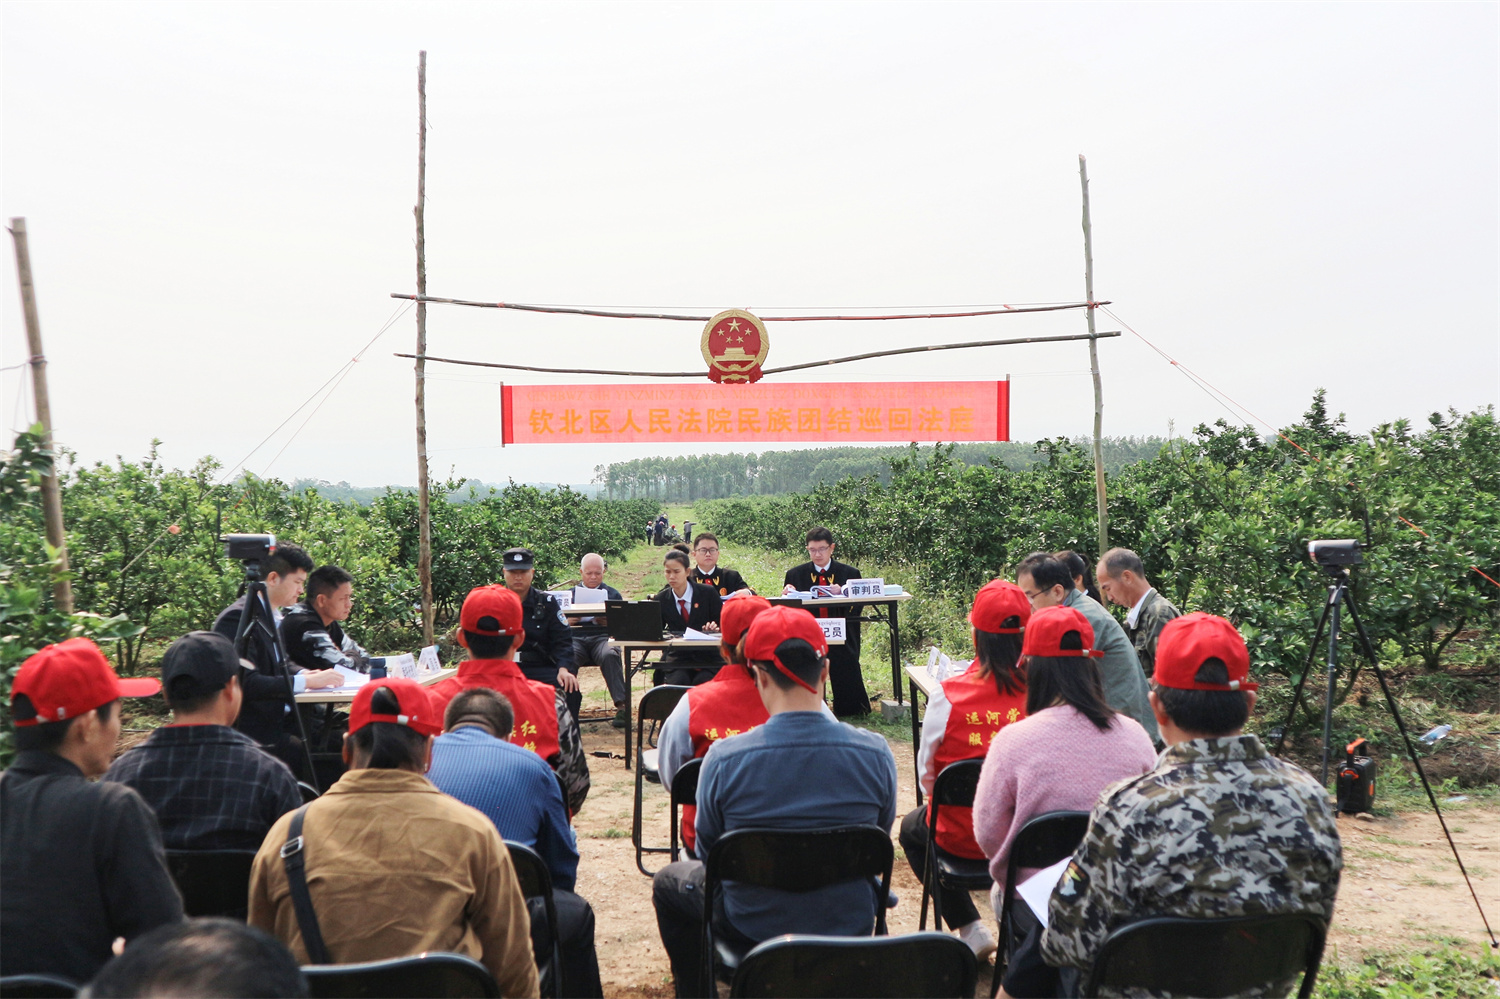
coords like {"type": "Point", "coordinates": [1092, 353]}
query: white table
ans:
{"type": "Point", "coordinates": [921, 682]}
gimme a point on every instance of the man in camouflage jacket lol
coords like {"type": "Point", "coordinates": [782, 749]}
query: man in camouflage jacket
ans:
{"type": "Point", "coordinates": [1219, 828]}
{"type": "Point", "coordinates": [1122, 580]}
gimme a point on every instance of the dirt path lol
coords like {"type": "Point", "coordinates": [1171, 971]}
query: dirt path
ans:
{"type": "Point", "coordinates": [1400, 886]}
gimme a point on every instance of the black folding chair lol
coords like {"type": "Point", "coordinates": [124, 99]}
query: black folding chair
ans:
{"type": "Point", "coordinates": [536, 887]}
{"type": "Point", "coordinates": [1043, 841]}
{"type": "Point", "coordinates": [1211, 957]}
{"type": "Point", "coordinates": [909, 966]}
{"type": "Point", "coordinates": [656, 705]}
{"type": "Point", "coordinates": [36, 987]}
{"type": "Point", "coordinates": [425, 976]}
{"type": "Point", "coordinates": [308, 792]}
{"type": "Point", "coordinates": [684, 792]}
{"type": "Point", "coordinates": [954, 788]}
{"type": "Point", "coordinates": [791, 860]}
{"type": "Point", "coordinates": [213, 882]}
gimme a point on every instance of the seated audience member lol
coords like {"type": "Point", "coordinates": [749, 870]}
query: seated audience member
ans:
{"type": "Point", "coordinates": [963, 717]}
{"type": "Point", "coordinates": [591, 636]}
{"type": "Point", "coordinates": [472, 762]}
{"type": "Point", "coordinates": [393, 866]}
{"type": "Point", "coordinates": [207, 958]}
{"type": "Point", "coordinates": [1070, 746]}
{"type": "Point", "coordinates": [491, 628]}
{"type": "Point", "coordinates": [1123, 577]}
{"type": "Point", "coordinates": [548, 656]}
{"type": "Point", "coordinates": [727, 705]}
{"type": "Point", "coordinates": [80, 863]}
{"type": "Point", "coordinates": [1218, 828]}
{"type": "Point", "coordinates": [313, 630]}
{"type": "Point", "coordinates": [212, 788]}
{"type": "Point", "coordinates": [685, 604]}
{"type": "Point", "coordinates": [1083, 576]}
{"type": "Point", "coordinates": [849, 696]}
{"type": "Point", "coordinates": [1048, 583]}
{"type": "Point", "coordinates": [800, 770]}
{"type": "Point", "coordinates": [708, 571]}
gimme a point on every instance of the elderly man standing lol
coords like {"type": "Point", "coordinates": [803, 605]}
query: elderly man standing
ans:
{"type": "Point", "coordinates": [1122, 578]}
{"type": "Point", "coordinates": [591, 636]}
{"type": "Point", "coordinates": [1047, 582]}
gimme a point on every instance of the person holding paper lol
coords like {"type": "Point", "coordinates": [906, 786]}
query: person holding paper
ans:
{"type": "Point", "coordinates": [687, 605]}
{"type": "Point", "coordinates": [548, 653]}
{"type": "Point", "coordinates": [963, 718]}
{"type": "Point", "coordinates": [849, 696]}
{"type": "Point", "coordinates": [709, 572]}
{"type": "Point", "coordinates": [1070, 746]}
{"type": "Point", "coordinates": [312, 631]}
{"type": "Point", "coordinates": [591, 636]}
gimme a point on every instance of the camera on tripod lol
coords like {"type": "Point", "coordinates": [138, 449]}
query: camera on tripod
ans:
{"type": "Point", "coordinates": [1333, 554]}
{"type": "Point", "coordinates": [250, 550]}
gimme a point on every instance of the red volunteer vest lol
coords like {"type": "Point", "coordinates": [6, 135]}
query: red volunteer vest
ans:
{"type": "Point", "coordinates": [977, 711]}
{"type": "Point", "coordinates": [724, 706]}
{"type": "Point", "coordinates": [534, 703]}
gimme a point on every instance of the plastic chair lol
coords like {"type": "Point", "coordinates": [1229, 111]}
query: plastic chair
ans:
{"type": "Point", "coordinates": [954, 788]}
{"type": "Point", "coordinates": [684, 792]}
{"type": "Point", "coordinates": [656, 705]}
{"type": "Point", "coordinates": [1043, 841]}
{"type": "Point", "coordinates": [36, 987]}
{"type": "Point", "coordinates": [909, 966]}
{"type": "Point", "coordinates": [1211, 957]}
{"type": "Point", "coordinates": [791, 860]}
{"type": "Point", "coordinates": [213, 882]}
{"type": "Point", "coordinates": [425, 976]}
{"type": "Point", "coordinates": [308, 792]}
{"type": "Point", "coordinates": [536, 883]}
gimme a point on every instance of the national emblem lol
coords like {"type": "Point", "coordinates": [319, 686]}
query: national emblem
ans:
{"type": "Point", "coordinates": [735, 345]}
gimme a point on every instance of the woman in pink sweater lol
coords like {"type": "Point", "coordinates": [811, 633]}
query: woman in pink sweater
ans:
{"type": "Point", "coordinates": [1070, 746]}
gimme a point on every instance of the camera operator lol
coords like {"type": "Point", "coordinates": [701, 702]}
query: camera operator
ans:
{"type": "Point", "coordinates": [265, 711]}
{"type": "Point", "coordinates": [312, 631]}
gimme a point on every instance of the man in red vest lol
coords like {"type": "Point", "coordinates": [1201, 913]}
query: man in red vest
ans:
{"type": "Point", "coordinates": [724, 706]}
{"type": "Point", "coordinates": [492, 628]}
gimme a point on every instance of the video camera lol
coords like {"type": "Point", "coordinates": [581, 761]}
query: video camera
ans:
{"type": "Point", "coordinates": [1332, 555]}
{"type": "Point", "coordinates": [251, 549]}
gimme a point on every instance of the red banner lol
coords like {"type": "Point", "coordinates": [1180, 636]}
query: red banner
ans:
{"type": "Point", "coordinates": [835, 412]}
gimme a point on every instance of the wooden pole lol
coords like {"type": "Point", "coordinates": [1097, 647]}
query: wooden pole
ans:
{"type": "Point", "coordinates": [1088, 282]}
{"type": "Point", "coordinates": [424, 512]}
{"type": "Point", "coordinates": [52, 514]}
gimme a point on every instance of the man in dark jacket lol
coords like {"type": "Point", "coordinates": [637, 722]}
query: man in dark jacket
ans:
{"type": "Point", "coordinates": [709, 572]}
{"type": "Point", "coordinates": [80, 863]}
{"type": "Point", "coordinates": [849, 696]}
{"type": "Point", "coordinates": [591, 636]}
{"type": "Point", "coordinates": [313, 632]}
{"type": "Point", "coordinates": [547, 655]}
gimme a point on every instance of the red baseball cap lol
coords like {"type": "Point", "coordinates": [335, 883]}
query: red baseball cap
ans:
{"type": "Point", "coordinates": [736, 615]}
{"type": "Point", "coordinates": [63, 681]}
{"type": "Point", "coordinates": [491, 610]}
{"type": "Point", "coordinates": [1050, 625]}
{"type": "Point", "coordinates": [779, 624]}
{"type": "Point", "coordinates": [1187, 641]}
{"type": "Point", "coordinates": [419, 711]}
{"type": "Point", "coordinates": [997, 601]}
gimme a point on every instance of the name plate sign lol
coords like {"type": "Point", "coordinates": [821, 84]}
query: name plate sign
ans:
{"type": "Point", "coordinates": [833, 627]}
{"type": "Point", "coordinates": [865, 588]}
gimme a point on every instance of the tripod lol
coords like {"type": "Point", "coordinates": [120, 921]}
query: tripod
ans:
{"type": "Point", "coordinates": [1339, 598]}
{"type": "Point", "coordinates": [257, 614]}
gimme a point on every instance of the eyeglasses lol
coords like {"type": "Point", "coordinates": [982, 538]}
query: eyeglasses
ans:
{"type": "Point", "coordinates": [1030, 595]}
{"type": "Point", "coordinates": [816, 550]}
{"type": "Point", "coordinates": [706, 551]}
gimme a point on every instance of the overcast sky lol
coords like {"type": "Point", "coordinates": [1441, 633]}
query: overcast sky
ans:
{"type": "Point", "coordinates": [219, 199]}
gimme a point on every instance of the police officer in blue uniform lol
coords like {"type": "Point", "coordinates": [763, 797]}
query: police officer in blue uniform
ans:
{"type": "Point", "coordinates": [547, 654]}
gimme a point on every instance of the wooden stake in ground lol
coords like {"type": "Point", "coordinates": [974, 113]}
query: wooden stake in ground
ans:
{"type": "Point", "coordinates": [424, 513]}
{"type": "Point", "coordinates": [1088, 282]}
{"type": "Point", "coordinates": [62, 590]}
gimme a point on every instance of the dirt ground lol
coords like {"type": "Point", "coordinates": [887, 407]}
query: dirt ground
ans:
{"type": "Point", "coordinates": [1400, 885]}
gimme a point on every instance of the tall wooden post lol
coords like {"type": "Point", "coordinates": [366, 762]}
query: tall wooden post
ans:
{"type": "Point", "coordinates": [424, 513]}
{"type": "Point", "coordinates": [62, 590]}
{"type": "Point", "coordinates": [1088, 282]}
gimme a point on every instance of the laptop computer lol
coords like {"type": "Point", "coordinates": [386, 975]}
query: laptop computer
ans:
{"type": "Point", "coordinates": [634, 620]}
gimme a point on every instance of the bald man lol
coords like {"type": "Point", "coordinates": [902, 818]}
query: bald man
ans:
{"type": "Point", "coordinates": [591, 637]}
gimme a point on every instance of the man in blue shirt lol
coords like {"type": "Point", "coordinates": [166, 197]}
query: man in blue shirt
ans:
{"type": "Point", "coordinates": [517, 790]}
{"type": "Point", "coordinates": [800, 770]}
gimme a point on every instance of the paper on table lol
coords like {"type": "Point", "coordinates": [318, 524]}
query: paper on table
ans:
{"type": "Point", "coordinates": [1037, 889]}
{"type": "Point", "coordinates": [583, 595]}
{"type": "Point", "coordinates": [350, 679]}
{"type": "Point", "coordinates": [429, 659]}
{"type": "Point", "coordinates": [694, 635]}
{"type": "Point", "coordinates": [401, 666]}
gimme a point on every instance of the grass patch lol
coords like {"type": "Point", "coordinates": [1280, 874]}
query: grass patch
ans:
{"type": "Point", "coordinates": [1450, 970]}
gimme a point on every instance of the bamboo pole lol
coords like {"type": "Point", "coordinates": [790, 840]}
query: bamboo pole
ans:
{"type": "Point", "coordinates": [52, 514]}
{"type": "Point", "coordinates": [424, 511]}
{"type": "Point", "coordinates": [1088, 283]}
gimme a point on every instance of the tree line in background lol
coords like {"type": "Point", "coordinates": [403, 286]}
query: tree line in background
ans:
{"type": "Point", "coordinates": [1222, 522]}
{"type": "Point", "coordinates": [715, 476]}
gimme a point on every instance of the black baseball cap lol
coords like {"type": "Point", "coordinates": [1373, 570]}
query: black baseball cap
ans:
{"type": "Point", "coordinates": [206, 658]}
{"type": "Point", "coordinates": [519, 559]}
